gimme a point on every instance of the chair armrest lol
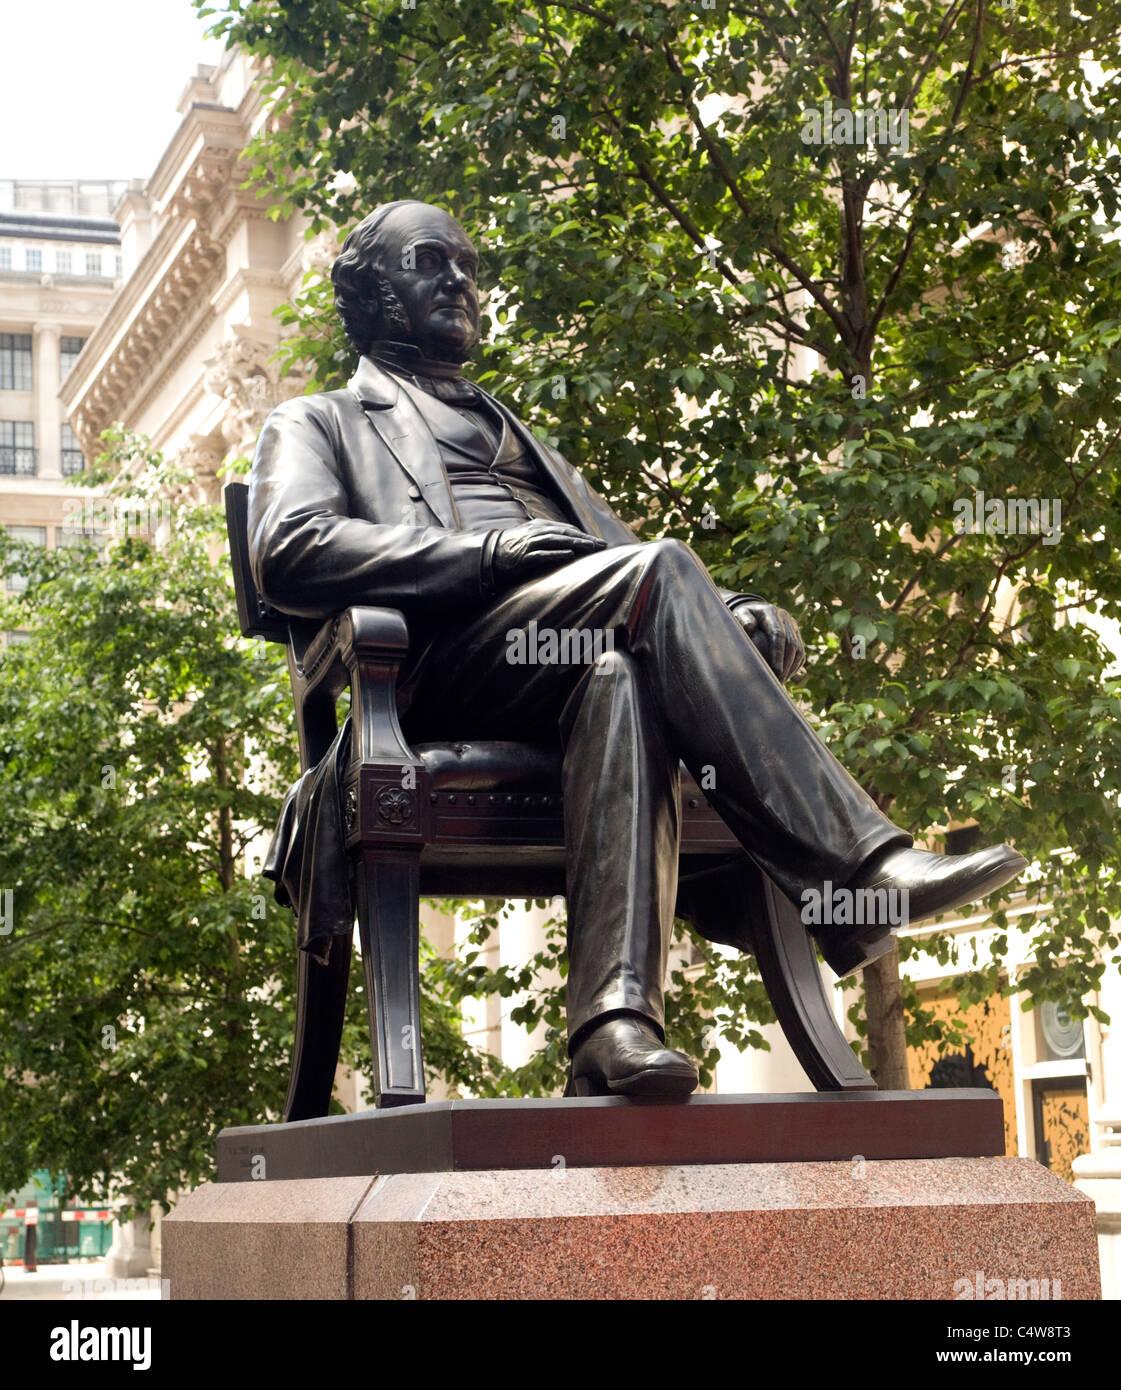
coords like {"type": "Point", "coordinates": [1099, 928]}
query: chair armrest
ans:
{"type": "Point", "coordinates": [362, 648]}
{"type": "Point", "coordinates": [373, 633]}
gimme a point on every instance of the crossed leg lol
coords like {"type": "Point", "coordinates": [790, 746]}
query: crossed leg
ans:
{"type": "Point", "coordinates": [683, 682]}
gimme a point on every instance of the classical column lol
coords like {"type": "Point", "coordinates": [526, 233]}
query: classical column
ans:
{"type": "Point", "coordinates": [1098, 1173]}
{"type": "Point", "coordinates": [48, 409]}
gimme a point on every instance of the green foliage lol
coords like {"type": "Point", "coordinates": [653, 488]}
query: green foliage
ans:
{"type": "Point", "coordinates": [139, 979]}
{"type": "Point", "coordinates": [657, 233]}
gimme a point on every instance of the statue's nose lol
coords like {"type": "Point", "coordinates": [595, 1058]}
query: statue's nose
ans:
{"type": "Point", "coordinates": [456, 278]}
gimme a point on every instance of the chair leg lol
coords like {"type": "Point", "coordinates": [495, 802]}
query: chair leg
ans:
{"type": "Point", "coordinates": [737, 905]}
{"type": "Point", "coordinates": [788, 965]}
{"type": "Point", "coordinates": [389, 933]}
{"type": "Point", "coordinates": [320, 1007]}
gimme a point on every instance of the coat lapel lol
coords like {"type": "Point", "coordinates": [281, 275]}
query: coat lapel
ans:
{"type": "Point", "coordinates": [405, 433]}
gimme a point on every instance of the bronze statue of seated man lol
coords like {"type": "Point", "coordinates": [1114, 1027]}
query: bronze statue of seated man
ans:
{"type": "Point", "coordinates": [414, 489]}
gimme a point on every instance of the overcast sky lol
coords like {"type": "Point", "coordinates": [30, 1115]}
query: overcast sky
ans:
{"type": "Point", "coordinates": [89, 86]}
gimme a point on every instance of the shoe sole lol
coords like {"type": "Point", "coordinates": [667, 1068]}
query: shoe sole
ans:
{"type": "Point", "coordinates": [655, 1082]}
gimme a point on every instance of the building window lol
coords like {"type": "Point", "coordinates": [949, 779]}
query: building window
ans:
{"type": "Point", "coordinates": [93, 262]}
{"type": "Point", "coordinates": [5, 258]}
{"type": "Point", "coordinates": [34, 259]}
{"type": "Point", "coordinates": [15, 361]}
{"type": "Point", "coordinates": [17, 447]}
{"type": "Point", "coordinates": [63, 262]}
{"type": "Point", "coordinates": [37, 535]}
{"type": "Point", "coordinates": [68, 350]}
{"type": "Point", "coordinates": [73, 460]}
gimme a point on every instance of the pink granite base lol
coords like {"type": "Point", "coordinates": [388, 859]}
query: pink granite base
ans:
{"type": "Point", "coordinates": [911, 1229]}
{"type": "Point", "coordinates": [262, 1240]}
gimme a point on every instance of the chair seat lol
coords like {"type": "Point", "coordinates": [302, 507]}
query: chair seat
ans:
{"type": "Point", "coordinates": [492, 765]}
{"type": "Point", "coordinates": [501, 765]}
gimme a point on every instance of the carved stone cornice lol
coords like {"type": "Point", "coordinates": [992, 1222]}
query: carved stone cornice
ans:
{"type": "Point", "coordinates": [180, 269]}
{"type": "Point", "coordinates": [148, 336]}
{"type": "Point", "coordinates": [202, 186]}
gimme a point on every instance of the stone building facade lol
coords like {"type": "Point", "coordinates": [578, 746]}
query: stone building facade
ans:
{"type": "Point", "coordinates": [60, 266]}
{"type": "Point", "coordinates": [183, 354]}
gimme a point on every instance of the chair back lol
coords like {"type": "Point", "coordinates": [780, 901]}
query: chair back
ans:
{"type": "Point", "coordinates": [256, 617]}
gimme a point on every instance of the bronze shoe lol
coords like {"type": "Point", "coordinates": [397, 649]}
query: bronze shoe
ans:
{"type": "Point", "coordinates": [624, 1056]}
{"type": "Point", "coordinates": [934, 883]}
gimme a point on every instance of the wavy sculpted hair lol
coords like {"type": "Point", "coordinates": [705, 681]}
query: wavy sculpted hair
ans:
{"type": "Point", "coordinates": [358, 297]}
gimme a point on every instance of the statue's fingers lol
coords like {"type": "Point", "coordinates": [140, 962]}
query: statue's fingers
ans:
{"type": "Point", "coordinates": [795, 651]}
{"type": "Point", "coordinates": [775, 631]}
{"type": "Point", "coordinates": [546, 558]}
{"type": "Point", "coordinates": [558, 535]}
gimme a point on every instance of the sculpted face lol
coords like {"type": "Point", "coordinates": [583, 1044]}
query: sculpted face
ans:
{"type": "Point", "coordinates": [431, 268]}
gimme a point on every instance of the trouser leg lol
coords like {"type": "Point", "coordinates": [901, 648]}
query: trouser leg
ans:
{"type": "Point", "coordinates": [622, 831]}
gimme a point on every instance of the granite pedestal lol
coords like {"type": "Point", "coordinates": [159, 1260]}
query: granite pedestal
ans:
{"type": "Point", "coordinates": [858, 1196]}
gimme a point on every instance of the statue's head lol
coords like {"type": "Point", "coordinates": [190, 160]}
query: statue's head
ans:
{"type": "Point", "coordinates": [408, 273]}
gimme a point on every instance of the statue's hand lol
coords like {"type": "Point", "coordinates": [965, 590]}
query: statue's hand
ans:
{"type": "Point", "coordinates": [538, 546]}
{"type": "Point", "coordinates": [776, 635]}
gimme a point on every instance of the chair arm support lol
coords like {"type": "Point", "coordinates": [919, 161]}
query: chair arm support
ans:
{"type": "Point", "coordinates": [374, 632]}
{"type": "Point", "coordinates": [363, 648]}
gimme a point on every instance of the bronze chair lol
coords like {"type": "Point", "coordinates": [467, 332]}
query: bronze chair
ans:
{"type": "Point", "coordinates": [484, 819]}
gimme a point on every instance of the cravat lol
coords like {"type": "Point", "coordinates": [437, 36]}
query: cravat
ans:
{"type": "Point", "coordinates": [439, 379]}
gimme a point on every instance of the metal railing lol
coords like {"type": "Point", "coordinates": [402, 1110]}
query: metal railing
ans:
{"type": "Point", "coordinates": [73, 461]}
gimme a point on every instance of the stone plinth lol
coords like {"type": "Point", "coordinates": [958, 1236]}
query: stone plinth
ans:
{"type": "Point", "coordinates": [267, 1240]}
{"type": "Point", "coordinates": [618, 1132]}
{"type": "Point", "coordinates": [861, 1229]}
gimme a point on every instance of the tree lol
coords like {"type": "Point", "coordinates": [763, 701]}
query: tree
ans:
{"type": "Point", "coordinates": [146, 978]}
{"type": "Point", "coordinates": [871, 252]}
{"type": "Point", "coordinates": [141, 976]}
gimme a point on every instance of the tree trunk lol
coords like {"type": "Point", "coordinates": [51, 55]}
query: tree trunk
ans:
{"type": "Point", "coordinates": [887, 1040]}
